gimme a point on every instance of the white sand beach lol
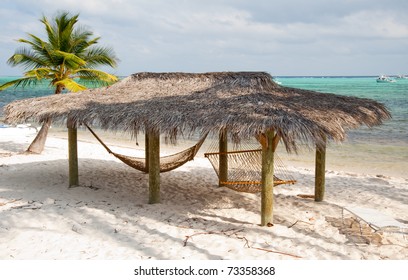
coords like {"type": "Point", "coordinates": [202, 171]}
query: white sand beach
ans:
{"type": "Point", "coordinates": [108, 217]}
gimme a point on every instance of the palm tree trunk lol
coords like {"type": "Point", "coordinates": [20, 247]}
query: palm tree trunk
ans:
{"type": "Point", "coordinates": [37, 146]}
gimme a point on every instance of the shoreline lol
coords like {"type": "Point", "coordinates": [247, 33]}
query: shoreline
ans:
{"type": "Point", "coordinates": [350, 157]}
{"type": "Point", "coordinates": [107, 216]}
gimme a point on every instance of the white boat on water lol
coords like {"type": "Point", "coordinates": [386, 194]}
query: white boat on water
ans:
{"type": "Point", "coordinates": [385, 79]}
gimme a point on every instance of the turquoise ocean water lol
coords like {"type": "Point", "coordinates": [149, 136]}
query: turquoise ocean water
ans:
{"type": "Point", "coordinates": [379, 150]}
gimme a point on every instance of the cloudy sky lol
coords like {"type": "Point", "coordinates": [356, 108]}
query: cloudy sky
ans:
{"type": "Point", "coordinates": [288, 37]}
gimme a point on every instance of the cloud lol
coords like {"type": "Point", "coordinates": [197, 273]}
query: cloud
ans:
{"type": "Point", "coordinates": [290, 37]}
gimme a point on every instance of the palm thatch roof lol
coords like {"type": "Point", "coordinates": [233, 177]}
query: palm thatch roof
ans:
{"type": "Point", "coordinates": [244, 103]}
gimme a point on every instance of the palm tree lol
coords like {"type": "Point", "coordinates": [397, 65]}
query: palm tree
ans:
{"type": "Point", "coordinates": [67, 59]}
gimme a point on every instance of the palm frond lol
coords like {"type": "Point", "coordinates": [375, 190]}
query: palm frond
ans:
{"type": "Point", "coordinates": [81, 42]}
{"type": "Point", "coordinates": [25, 81]}
{"type": "Point", "coordinates": [42, 48]}
{"type": "Point", "coordinates": [65, 25]}
{"type": "Point", "coordinates": [36, 43]}
{"type": "Point", "coordinates": [51, 32]}
{"type": "Point", "coordinates": [96, 56]}
{"type": "Point", "coordinates": [70, 84]}
{"type": "Point", "coordinates": [71, 60]}
{"type": "Point", "coordinates": [27, 58]}
{"type": "Point", "coordinates": [42, 73]}
{"type": "Point", "coordinates": [93, 41]}
{"type": "Point", "coordinates": [96, 75]}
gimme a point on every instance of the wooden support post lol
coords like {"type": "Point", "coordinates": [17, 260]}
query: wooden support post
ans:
{"type": "Point", "coordinates": [267, 180]}
{"type": "Point", "coordinates": [320, 172]}
{"type": "Point", "coordinates": [154, 166]}
{"type": "Point", "coordinates": [72, 155]}
{"type": "Point", "coordinates": [147, 151]}
{"type": "Point", "coordinates": [223, 164]}
{"type": "Point", "coordinates": [276, 139]}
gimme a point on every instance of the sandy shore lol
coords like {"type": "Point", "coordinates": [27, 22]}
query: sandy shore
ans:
{"type": "Point", "coordinates": [107, 216]}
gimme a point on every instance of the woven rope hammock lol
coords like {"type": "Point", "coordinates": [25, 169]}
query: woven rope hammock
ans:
{"type": "Point", "coordinates": [245, 167]}
{"type": "Point", "coordinates": [167, 163]}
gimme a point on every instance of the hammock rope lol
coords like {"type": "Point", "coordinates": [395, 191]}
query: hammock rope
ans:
{"type": "Point", "coordinates": [245, 167]}
{"type": "Point", "coordinates": [167, 163]}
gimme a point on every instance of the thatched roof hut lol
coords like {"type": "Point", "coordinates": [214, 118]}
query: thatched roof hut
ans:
{"type": "Point", "coordinates": [242, 103]}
